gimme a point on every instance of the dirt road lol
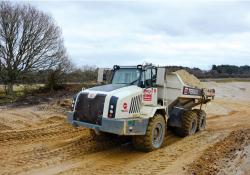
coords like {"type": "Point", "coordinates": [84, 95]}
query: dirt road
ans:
{"type": "Point", "coordinates": [34, 140]}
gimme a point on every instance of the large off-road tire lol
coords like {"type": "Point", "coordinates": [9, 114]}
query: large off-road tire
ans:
{"type": "Point", "coordinates": [189, 124]}
{"type": "Point", "coordinates": [202, 119]}
{"type": "Point", "coordinates": [154, 137]}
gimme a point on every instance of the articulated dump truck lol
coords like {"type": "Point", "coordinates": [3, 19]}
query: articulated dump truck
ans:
{"type": "Point", "coordinates": [141, 101]}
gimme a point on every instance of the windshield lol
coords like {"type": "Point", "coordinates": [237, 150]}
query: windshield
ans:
{"type": "Point", "coordinates": [126, 76]}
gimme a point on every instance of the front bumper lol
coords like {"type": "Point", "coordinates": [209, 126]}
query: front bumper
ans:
{"type": "Point", "coordinates": [130, 126]}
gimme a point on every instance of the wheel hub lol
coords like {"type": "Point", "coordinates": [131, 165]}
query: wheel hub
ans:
{"type": "Point", "coordinates": [193, 129]}
{"type": "Point", "coordinates": [202, 123]}
{"type": "Point", "coordinates": [157, 135]}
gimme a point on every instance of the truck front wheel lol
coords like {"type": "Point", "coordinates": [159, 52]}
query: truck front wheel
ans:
{"type": "Point", "coordinates": [154, 137]}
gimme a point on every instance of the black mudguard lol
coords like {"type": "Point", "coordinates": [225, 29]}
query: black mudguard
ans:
{"type": "Point", "coordinates": [175, 117]}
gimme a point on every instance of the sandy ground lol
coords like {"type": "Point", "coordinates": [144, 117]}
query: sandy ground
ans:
{"type": "Point", "coordinates": [38, 140]}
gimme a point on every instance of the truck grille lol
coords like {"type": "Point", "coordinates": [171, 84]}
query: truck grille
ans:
{"type": "Point", "coordinates": [135, 104]}
{"type": "Point", "coordinates": [89, 110]}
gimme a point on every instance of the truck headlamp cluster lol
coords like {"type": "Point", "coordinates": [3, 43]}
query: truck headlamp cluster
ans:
{"type": "Point", "coordinates": [112, 107]}
{"type": "Point", "coordinates": [72, 105]}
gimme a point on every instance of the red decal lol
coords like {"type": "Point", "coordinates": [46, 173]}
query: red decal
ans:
{"type": "Point", "coordinates": [125, 105]}
{"type": "Point", "coordinates": [147, 95]}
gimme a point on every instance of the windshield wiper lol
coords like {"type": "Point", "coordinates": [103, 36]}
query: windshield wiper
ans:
{"type": "Point", "coordinates": [133, 82]}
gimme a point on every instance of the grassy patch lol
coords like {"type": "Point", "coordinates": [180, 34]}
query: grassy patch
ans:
{"type": "Point", "coordinates": [19, 91]}
{"type": "Point", "coordinates": [40, 91]}
{"type": "Point", "coordinates": [7, 99]}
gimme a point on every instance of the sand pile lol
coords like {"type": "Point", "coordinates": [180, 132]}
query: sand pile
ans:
{"type": "Point", "coordinates": [189, 79]}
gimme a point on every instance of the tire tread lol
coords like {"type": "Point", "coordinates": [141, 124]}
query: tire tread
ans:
{"type": "Point", "coordinates": [187, 119]}
{"type": "Point", "coordinates": [144, 142]}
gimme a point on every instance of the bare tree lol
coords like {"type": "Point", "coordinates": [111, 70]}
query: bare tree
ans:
{"type": "Point", "coordinates": [29, 41]}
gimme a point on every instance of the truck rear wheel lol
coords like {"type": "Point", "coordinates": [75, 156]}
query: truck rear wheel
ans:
{"type": "Point", "coordinates": [189, 124]}
{"type": "Point", "coordinates": [154, 137]}
{"type": "Point", "coordinates": [201, 123]}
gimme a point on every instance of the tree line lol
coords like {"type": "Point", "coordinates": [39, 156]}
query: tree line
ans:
{"type": "Point", "coordinates": [217, 71]}
{"type": "Point", "coordinates": [83, 74]}
{"type": "Point", "coordinates": [88, 73]}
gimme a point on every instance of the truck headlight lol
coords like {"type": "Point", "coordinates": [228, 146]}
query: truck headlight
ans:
{"type": "Point", "coordinates": [72, 105]}
{"type": "Point", "coordinates": [112, 107]}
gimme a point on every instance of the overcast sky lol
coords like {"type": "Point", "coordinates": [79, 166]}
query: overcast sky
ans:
{"type": "Point", "coordinates": [194, 34]}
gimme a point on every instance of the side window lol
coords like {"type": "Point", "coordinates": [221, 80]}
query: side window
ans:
{"type": "Point", "coordinates": [148, 78]}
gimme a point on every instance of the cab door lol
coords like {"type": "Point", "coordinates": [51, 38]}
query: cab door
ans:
{"type": "Point", "coordinates": [150, 90]}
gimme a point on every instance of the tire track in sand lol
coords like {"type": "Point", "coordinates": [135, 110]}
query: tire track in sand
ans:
{"type": "Point", "coordinates": [126, 160]}
{"type": "Point", "coordinates": [43, 147]}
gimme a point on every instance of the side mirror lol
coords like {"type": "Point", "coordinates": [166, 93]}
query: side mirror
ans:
{"type": "Point", "coordinates": [100, 77]}
{"type": "Point", "coordinates": [160, 78]}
